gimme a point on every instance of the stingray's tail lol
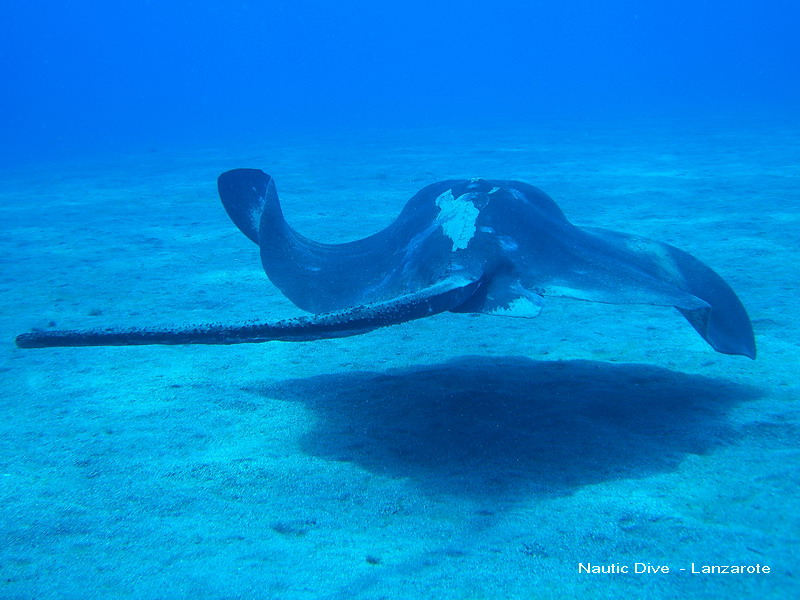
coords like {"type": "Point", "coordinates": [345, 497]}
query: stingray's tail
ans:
{"type": "Point", "coordinates": [301, 329]}
{"type": "Point", "coordinates": [439, 298]}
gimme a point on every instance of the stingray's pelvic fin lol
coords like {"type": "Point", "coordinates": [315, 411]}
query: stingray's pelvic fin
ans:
{"type": "Point", "coordinates": [442, 297]}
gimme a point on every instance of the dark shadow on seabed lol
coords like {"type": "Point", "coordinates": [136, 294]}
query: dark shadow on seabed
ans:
{"type": "Point", "coordinates": [512, 426]}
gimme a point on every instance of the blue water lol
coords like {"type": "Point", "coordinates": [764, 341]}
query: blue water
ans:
{"type": "Point", "coordinates": [457, 456]}
{"type": "Point", "coordinates": [83, 77]}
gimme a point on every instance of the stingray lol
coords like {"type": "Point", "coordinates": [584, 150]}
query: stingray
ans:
{"type": "Point", "coordinates": [463, 246]}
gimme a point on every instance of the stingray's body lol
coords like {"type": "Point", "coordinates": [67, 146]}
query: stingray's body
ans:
{"type": "Point", "coordinates": [478, 246]}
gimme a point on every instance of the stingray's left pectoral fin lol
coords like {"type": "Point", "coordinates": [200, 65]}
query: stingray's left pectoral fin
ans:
{"type": "Point", "coordinates": [246, 194]}
{"type": "Point", "coordinates": [441, 297]}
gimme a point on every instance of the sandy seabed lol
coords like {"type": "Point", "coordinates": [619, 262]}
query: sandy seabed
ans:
{"type": "Point", "coordinates": [453, 457]}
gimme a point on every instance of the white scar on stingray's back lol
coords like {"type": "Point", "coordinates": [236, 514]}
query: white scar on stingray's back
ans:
{"type": "Point", "coordinates": [457, 216]}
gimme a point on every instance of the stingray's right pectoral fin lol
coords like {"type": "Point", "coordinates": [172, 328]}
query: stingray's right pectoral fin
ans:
{"type": "Point", "coordinates": [438, 298]}
{"type": "Point", "coordinates": [678, 279]}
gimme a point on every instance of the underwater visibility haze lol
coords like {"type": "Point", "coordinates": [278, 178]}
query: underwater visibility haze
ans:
{"type": "Point", "coordinates": [600, 449]}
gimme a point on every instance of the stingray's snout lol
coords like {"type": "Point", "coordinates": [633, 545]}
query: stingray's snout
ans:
{"type": "Point", "coordinates": [472, 186]}
{"type": "Point", "coordinates": [479, 185]}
